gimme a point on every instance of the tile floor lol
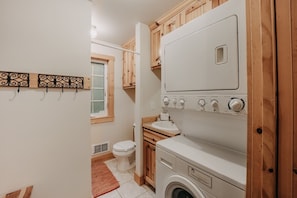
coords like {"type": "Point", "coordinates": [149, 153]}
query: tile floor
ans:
{"type": "Point", "coordinates": [128, 187]}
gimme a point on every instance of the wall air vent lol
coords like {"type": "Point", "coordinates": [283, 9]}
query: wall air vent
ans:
{"type": "Point", "coordinates": [100, 148]}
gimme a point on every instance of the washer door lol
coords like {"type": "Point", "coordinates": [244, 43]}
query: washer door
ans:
{"type": "Point", "coordinates": [177, 186]}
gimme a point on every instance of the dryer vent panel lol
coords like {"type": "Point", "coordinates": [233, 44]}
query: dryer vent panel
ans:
{"type": "Point", "coordinates": [100, 148]}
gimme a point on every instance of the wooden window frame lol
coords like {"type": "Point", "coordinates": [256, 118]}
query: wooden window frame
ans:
{"type": "Point", "coordinates": [110, 88]}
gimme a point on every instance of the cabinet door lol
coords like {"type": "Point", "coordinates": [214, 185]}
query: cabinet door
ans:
{"type": "Point", "coordinates": [156, 35]}
{"type": "Point", "coordinates": [132, 64]}
{"type": "Point", "coordinates": [194, 10]}
{"type": "Point", "coordinates": [149, 162]}
{"type": "Point", "coordinates": [152, 149]}
{"type": "Point", "coordinates": [129, 65]}
{"type": "Point", "coordinates": [126, 70]}
{"type": "Point", "coordinates": [171, 24]}
{"type": "Point", "coordinates": [216, 3]}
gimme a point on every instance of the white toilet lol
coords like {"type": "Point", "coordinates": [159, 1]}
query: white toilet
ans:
{"type": "Point", "coordinates": [124, 152]}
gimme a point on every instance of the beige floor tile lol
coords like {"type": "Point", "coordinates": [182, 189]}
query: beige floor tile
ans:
{"type": "Point", "coordinates": [112, 194]}
{"type": "Point", "coordinates": [131, 190]}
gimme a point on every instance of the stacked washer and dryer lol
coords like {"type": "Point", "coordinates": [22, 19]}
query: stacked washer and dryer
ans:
{"type": "Point", "coordinates": [204, 89]}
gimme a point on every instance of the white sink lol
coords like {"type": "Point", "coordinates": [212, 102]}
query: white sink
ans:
{"type": "Point", "coordinates": [165, 125]}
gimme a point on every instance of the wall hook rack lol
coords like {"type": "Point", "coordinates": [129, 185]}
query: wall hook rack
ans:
{"type": "Point", "coordinates": [47, 81]}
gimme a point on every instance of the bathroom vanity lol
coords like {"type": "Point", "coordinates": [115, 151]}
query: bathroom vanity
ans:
{"type": "Point", "coordinates": [152, 134]}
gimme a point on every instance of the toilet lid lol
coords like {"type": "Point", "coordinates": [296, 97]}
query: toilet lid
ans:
{"type": "Point", "coordinates": [124, 146]}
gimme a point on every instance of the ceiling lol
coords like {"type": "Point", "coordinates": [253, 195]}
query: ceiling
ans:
{"type": "Point", "coordinates": [115, 19]}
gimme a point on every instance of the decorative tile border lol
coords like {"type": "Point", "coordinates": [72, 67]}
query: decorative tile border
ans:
{"type": "Point", "coordinates": [56, 81]}
{"type": "Point", "coordinates": [33, 80]}
{"type": "Point", "coordinates": [14, 79]}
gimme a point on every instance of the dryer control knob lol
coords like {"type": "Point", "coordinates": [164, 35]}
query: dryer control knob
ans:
{"type": "Point", "coordinates": [236, 104]}
{"type": "Point", "coordinates": [182, 102]}
{"type": "Point", "coordinates": [166, 100]}
{"type": "Point", "coordinates": [201, 102]}
{"type": "Point", "coordinates": [214, 103]}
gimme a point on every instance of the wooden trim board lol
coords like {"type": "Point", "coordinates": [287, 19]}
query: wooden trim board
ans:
{"type": "Point", "coordinates": [103, 157]}
{"type": "Point", "coordinates": [138, 179]}
{"type": "Point", "coordinates": [261, 164]}
{"type": "Point", "coordinates": [287, 94]}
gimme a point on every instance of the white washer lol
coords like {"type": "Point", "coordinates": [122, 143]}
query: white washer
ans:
{"type": "Point", "coordinates": [191, 168]}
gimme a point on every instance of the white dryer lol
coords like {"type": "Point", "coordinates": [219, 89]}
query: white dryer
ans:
{"type": "Point", "coordinates": [191, 168]}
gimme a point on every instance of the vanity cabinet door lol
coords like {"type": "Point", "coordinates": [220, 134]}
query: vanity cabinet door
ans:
{"type": "Point", "coordinates": [150, 138]}
{"type": "Point", "coordinates": [149, 162]}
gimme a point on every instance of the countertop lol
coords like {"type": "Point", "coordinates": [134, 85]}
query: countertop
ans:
{"type": "Point", "coordinates": [148, 125]}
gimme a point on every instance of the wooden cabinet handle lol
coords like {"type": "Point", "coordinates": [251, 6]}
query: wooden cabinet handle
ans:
{"type": "Point", "coordinates": [295, 170]}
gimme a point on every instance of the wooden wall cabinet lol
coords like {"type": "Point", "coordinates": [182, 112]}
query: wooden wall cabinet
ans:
{"type": "Point", "coordinates": [156, 35]}
{"type": "Point", "coordinates": [128, 78]}
{"type": "Point", "coordinates": [171, 24]}
{"type": "Point", "coordinates": [194, 10]}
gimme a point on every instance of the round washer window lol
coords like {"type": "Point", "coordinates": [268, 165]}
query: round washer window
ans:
{"type": "Point", "coordinates": [179, 190]}
{"type": "Point", "coordinates": [181, 193]}
{"type": "Point", "coordinates": [177, 186]}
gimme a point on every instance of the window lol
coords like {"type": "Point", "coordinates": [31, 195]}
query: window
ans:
{"type": "Point", "coordinates": [99, 88]}
{"type": "Point", "coordinates": [102, 88]}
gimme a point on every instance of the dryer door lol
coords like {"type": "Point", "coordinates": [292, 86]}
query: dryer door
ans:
{"type": "Point", "coordinates": [177, 186]}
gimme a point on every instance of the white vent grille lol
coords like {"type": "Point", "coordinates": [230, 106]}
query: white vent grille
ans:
{"type": "Point", "coordinates": [100, 148]}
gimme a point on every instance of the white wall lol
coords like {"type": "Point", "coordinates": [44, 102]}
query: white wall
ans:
{"type": "Point", "coordinates": [148, 90]}
{"type": "Point", "coordinates": [122, 126]}
{"type": "Point", "coordinates": [45, 138]}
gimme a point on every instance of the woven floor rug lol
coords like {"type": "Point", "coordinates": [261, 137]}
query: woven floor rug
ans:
{"type": "Point", "coordinates": [103, 180]}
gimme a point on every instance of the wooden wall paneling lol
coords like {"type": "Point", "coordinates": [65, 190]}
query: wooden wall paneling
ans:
{"type": "Point", "coordinates": [294, 64]}
{"type": "Point", "coordinates": [285, 98]}
{"type": "Point", "coordinates": [269, 98]}
{"type": "Point", "coordinates": [294, 50]}
{"type": "Point", "coordinates": [215, 3]}
{"type": "Point", "coordinates": [254, 162]}
{"type": "Point", "coordinates": [261, 96]}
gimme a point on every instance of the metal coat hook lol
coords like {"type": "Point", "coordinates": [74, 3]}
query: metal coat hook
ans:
{"type": "Point", "coordinates": [19, 88]}
{"type": "Point", "coordinates": [62, 89]}
{"type": "Point", "coordinates": [46, 88]}
{"type": "Point", "coordinates": [76, 88]}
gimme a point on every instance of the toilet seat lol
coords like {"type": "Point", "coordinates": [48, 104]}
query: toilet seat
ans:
{"type": "Point", "coordinates": [124, 146]}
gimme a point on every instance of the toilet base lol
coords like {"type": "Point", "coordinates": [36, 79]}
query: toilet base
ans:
{"type": "Point", "coordinates": [125, 163]}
